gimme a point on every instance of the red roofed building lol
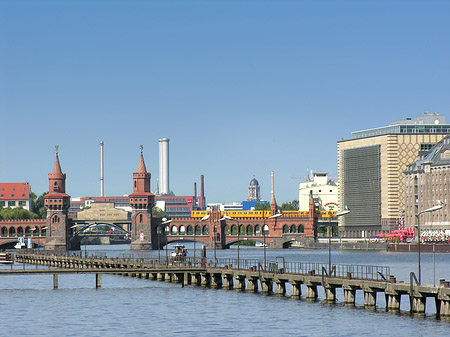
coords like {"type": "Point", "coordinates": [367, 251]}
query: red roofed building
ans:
{"type": "Point", "coordinates": [15, 195]}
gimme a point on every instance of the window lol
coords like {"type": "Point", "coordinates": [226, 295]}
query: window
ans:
{"type": "Point", "coordinates": [11, 203]}
{"type": "Point", "coordinates": [22, 203]}
{"type": "Point", "coordinates": [2, 203]}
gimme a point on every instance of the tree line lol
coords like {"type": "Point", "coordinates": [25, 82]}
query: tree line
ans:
{"type": "Point", "coordinates": [38, 210]}
{"type": "Point", "coordinates": [285, 206]}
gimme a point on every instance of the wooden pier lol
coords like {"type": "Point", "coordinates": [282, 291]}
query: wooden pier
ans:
{"type": "Point", "coordinates": [250, 276]}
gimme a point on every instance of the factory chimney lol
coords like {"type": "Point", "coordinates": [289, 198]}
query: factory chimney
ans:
{"type": "Point", "coordinates": [164, 166]}
{"type": "Point", "coordinates": [102, 188]}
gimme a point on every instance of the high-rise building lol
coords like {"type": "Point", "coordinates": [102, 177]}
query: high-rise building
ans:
{"type": "Point", "coordinates": [370, 171]}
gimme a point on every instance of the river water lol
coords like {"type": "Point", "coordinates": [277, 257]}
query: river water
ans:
{"type": "Point", "coordinates": [124, 306]}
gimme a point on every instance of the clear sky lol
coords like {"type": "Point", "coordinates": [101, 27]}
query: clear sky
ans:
{"type": "Point", "coordinates": [241, 88]}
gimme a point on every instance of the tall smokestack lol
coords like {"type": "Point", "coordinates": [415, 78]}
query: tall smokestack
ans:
{"type": "Point", "coordinates": [195, 195]}
{"type": "Point", "coordinates": [202, 192]}
{"type": "Point", "coordinates": [164, 166]}
{"type": "Point", "coordinates": [271, 183]}
{"type": "Point", "coordinates": [102, 188]}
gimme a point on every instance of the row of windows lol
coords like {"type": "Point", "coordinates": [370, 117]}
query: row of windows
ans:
{"type": "Point", "coordinates": [12, 195]}
{"type": "Point", "coordinates": [12, 203]}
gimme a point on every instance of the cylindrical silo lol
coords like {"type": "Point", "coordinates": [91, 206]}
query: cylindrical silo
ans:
{"type": "Point", "coordinates": [164, 166]}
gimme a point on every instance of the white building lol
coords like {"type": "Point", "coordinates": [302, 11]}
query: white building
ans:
{"type": "Point", "coordinates": [324, 191]}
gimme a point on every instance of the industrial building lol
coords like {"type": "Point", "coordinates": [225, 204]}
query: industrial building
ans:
{"type": "Point", "coordinates": [370, 171]}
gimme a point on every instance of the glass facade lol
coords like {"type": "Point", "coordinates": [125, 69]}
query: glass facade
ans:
{"type": "Point", "coordinates": [362, 188]}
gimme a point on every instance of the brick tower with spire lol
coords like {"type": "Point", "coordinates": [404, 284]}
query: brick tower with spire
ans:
{"type": "Point", "coordinates": [57, 203]}
{"type": "Point", "coordinates": [141, 202]}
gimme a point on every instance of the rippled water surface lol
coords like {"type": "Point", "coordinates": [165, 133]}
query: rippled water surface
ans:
{"type": "Point", "coordinates": [124, 306]}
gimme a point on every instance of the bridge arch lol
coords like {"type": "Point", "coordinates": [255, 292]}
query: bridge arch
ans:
{"type": "Point", "coordinates": [257, 230]}
{"type": "Point", "coordinates": [249, 230]}
{"type": "Point", "coordinates": [205, 230]}
{"type": "Point", "coordinates": [234, 230]}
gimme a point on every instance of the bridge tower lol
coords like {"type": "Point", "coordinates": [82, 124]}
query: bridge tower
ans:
{"type": "Point", "coordinates": [141, 202]}
{"type": "Point", "coordinates": [57, 203]}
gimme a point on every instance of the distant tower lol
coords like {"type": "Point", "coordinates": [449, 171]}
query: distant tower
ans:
{"type": "Point", "coordinates": [273, 203]}
{"type": "Point", "coordinates": [164, 166]}
{"type": "Point", "coordinates": [102, 187]}
{"type": "Point", "coordinates": [254, 193]}
{"type": "Point", "coordinates": [57, 203]}
{"type": "Point", "coordinates": [141, 202]}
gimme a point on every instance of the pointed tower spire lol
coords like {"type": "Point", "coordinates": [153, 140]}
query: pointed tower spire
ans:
{"type": "Point", "coordinates": [57, 165]}
{"type": "Point", "coordinates": [141, 166]}
{"type": "Point", "coordinates": [57, 179]}
{"type": "Point", "coordinates": [141, 177]}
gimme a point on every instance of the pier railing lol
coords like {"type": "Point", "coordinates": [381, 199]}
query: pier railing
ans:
{"type": "Point", "coordinates": [279, 266]}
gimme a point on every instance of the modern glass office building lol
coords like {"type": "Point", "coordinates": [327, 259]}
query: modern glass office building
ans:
{"type": "Point", "coordinates": [371, 169]}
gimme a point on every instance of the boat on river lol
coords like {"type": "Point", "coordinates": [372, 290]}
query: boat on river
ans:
{"type": "Point", "coordinates": [179, 251]}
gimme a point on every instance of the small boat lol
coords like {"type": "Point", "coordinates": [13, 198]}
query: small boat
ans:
{"type": "Point", "coordinates": [261, 244]}
{"type": "Point", "coordinates": [6, 258]}
{"type": "Point", "coordinates": [19, 245]}
{"type": "Point", "coordinates": [179, 251]}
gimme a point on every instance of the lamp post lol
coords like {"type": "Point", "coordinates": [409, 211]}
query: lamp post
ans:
{"type": "Point", "coordinates": [330, 230]}
{"type": "Point", "coordinates": [206, 217]}
{"type": "Point", "coordinates": [158, 233]}
{"type": "Point", "coordinates": [165, 222]}
{"type": "Point", "coordinates": [265, 229]}
{"type": "Point", "coordinates": [428, 210]}
{"type": "Point", "coordinates": [226, 217]}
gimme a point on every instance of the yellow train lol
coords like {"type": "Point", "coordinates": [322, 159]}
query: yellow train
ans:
{"type": "Point", "coordinates": [266, 214]}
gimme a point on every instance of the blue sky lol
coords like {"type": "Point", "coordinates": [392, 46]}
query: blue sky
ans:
{"type": "Point", "coordinates": [241, 88]}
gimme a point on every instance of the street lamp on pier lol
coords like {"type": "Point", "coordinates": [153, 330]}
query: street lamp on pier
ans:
{"type": "Point", "coordinates": [165, 222]}
{"type": "Point", "coordinates": [330, 231]}
{"type": "Point", "coordinates": [158, 233]}
{"type": "Point", "coordinates": [265, 230]}
{"type": "Point", "coordinates": [428, 210]}
{"type": "Point", "coordinates": [206, 217]}
{"type": "Point", "coordinates": [226, 217]}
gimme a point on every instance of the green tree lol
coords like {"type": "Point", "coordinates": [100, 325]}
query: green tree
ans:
{"type": "Point", "coordinates": [289, 206]}
{"type": "Point", "coordinates": [159, 213]}
{"type": "Point", "coordinates": [262, 206]}
{"type": "Point", "coordinates": [17, 213]}
{"type": "Point", "coordinates": [37, 205]}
